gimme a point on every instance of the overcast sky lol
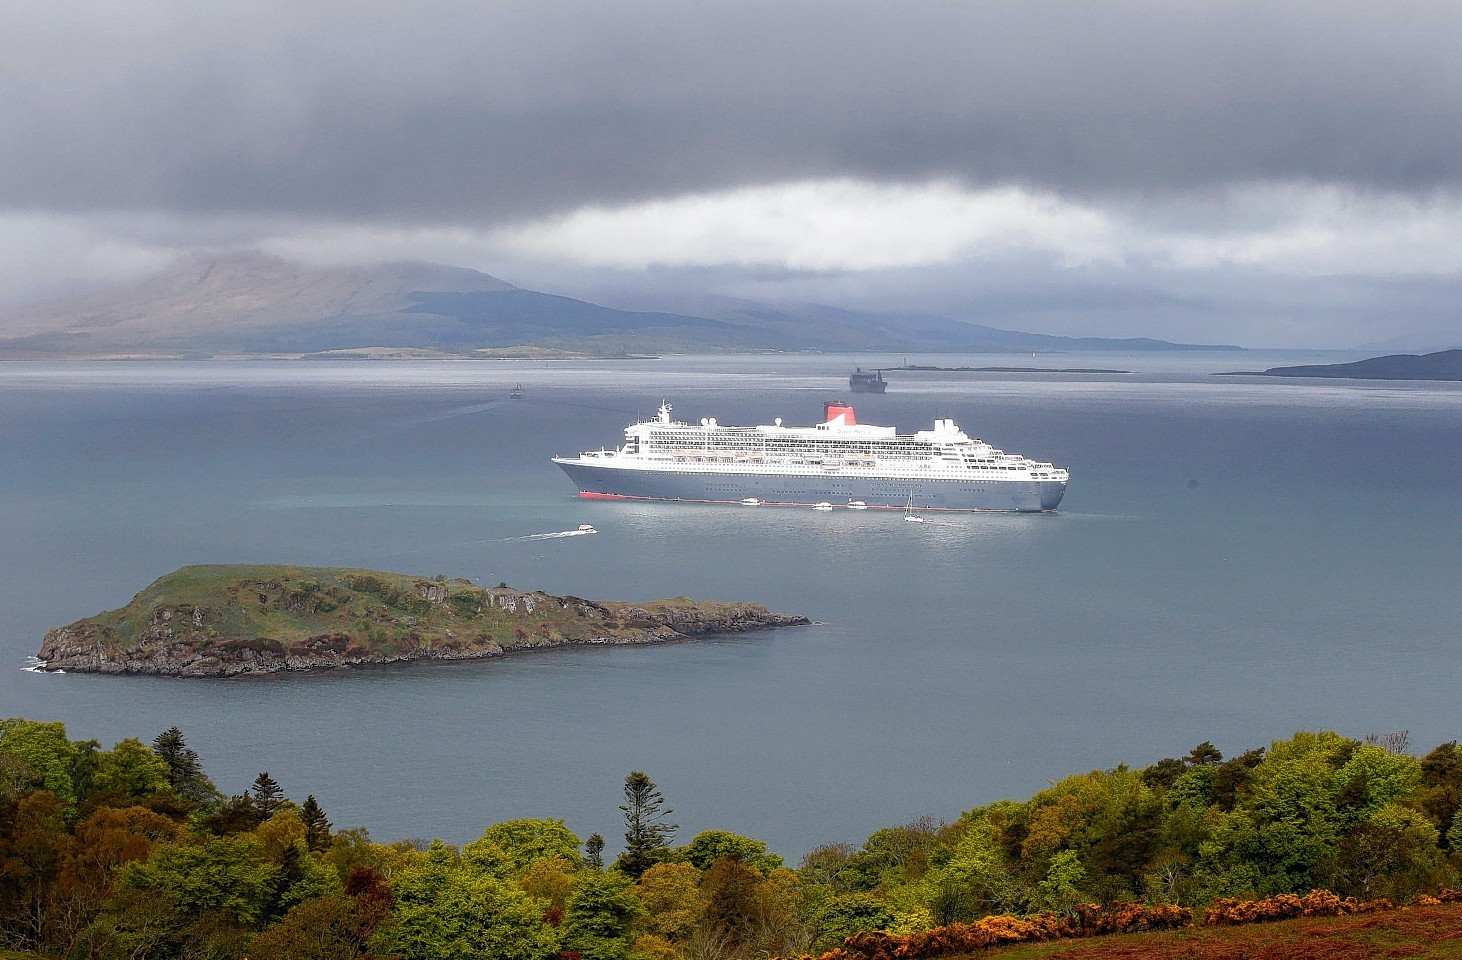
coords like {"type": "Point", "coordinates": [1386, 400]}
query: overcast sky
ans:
{"type": "Point", "coordinates": [1269, 173]}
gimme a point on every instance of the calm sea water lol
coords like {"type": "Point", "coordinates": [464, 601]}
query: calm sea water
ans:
{"type": "Point", "coordinates": [1235, 559]}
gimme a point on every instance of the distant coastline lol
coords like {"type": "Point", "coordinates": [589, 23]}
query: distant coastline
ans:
{"type": "Point", "coordinates": [1445, 365]}
{"type": "Point", "coordinates": [916, 367]}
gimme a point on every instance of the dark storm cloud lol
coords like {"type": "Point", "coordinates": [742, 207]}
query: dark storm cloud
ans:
{"type": "Point", "coordinates": [477, 112]}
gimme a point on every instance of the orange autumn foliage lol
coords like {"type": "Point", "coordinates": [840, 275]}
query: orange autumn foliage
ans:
{"type": "Point", "coordinates": [1092, 921]}
{"type": "Point", "coordinates": [986, 932]}
{"type": "Point", "coordinates": [1316, 903]}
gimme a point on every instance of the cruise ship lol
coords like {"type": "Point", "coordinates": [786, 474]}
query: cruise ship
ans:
{"type": "Point", "coordinates": [838, 462]}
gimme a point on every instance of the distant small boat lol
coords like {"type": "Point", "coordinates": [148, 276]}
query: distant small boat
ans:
{"type": "Point", "coordinates": [824, 505]}
{"type": "Point", "coordinates": [587, 528]}
{"type": "Point", "coordinates": [517, 393]}
{"type": "Point", "coordinates": [857, 505]}
{"type": "Point", "coordinates": [909, 513]}
{"type": "Point", "coordinates": [751, 502]}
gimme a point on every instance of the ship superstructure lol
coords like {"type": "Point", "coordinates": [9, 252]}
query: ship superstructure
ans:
{"type": "Point", "coordinates": [861, 381]}
{"type": "Point", "coordinates": [838, 461]}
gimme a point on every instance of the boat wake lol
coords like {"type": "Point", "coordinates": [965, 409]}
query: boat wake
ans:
{"type": "Point", "coordinates": [583, 531]}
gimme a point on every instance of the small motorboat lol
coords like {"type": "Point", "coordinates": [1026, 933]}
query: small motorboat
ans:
{"type": "Point", "coordinates": [857, 505]}
{"type": "Point", "coordinates": [587, 528]}
{"type": "Point", "coordinates": [824, 505]}
{"type": "Point", "coordinates": [751, 502]}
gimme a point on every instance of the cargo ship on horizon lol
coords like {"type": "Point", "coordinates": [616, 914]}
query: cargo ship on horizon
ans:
{"type": "Point", "coordinates": [862, 381]}
{"type": "Point", "coordinates": [838, 461]}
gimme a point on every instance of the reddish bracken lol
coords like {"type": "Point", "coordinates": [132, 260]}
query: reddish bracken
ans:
{"type": "Point", "coordinates": [1092, 921]}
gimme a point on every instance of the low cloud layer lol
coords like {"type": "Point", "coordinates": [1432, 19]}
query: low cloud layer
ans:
{"type": "Point", "coordinates": [1137, 140]}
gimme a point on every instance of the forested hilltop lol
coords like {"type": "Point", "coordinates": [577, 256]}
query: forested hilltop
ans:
{"type": "Point", "coordinates": [132, 852]}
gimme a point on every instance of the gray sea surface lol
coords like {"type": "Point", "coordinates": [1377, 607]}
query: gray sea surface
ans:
{"type": "Point", "coordinates": [1236, 559]}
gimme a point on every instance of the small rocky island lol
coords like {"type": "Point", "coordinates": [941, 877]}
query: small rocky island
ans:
{"type": "Point", "coordinates": [237, 620]}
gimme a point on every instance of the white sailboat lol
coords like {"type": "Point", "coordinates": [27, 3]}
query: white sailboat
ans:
{"type": "Point", "coordinates": [909, 513]}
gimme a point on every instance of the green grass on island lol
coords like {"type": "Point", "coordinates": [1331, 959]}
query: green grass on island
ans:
{"type": "Point", "coordinates": [322, 616]}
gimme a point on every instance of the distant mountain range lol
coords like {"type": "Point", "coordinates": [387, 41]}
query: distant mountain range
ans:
{"type": "Point", "coordinates": [1444, 365]}
{"type": "Point", "coordinates": [252, 305]}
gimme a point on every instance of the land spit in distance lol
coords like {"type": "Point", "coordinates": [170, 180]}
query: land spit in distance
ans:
{"type": "Point", "coordinates": [239, 620]}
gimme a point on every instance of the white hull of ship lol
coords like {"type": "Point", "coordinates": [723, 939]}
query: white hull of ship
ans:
{"type": "Point", "coordinates": [608, 480]}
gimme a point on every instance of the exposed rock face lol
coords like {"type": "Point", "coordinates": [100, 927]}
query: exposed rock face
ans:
{"type": "Point", "coordinates": [201, 622]}
{"type": "Point", "coordinates": [696, 619]}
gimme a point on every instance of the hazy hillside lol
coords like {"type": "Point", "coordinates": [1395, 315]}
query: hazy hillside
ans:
{"type": "Point", "coordinates": [209, 303]}
{"type": "Point", "coordinates": [249, 304]}
{"type": "Point", "coordinates": [1444, 365]}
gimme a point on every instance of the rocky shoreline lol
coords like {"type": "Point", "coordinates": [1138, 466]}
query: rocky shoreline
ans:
{"type": "Point", "coordinates": [158, 635]}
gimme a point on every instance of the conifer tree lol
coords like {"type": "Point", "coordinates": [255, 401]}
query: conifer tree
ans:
{"type": "Point", "coordinates": [594, 851]}
{"type": "Point", "coordinates": [317, 827]}
{"type": "Point", "coordinates": [185, 767]}
{"type": "Point", "coordinates": [647, 834]}
{"type": "Point", "coordinates": [266, 796]}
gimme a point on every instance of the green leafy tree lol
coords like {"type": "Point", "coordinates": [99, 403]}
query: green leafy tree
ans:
{"type": "Point", "coordinates": [85, 761]}
{"type": "Point", "coordinates": [838, 918]}
{"type": "Point", "coordinates": [1060, 890]}
{"type": "Point", "coordinates": [1244, 858]}
{"type": "Point", "coordinates": [1441, 788]}
{"type": "Point", "coordinates": [712, 845]}
{"type": "Point", "coordinates": [1373, 778]}
{"type": "Point", "coordinates": [195, 899]}
{"type": "Point", "coordinates": [974, 878]}
{"type": "Point", "coordinates": [486, 858]}
{"type": "Point", "coordinates": [601, 916]}
{"type": "Point", "coordinates": [1392, 854]}
{"type": "Point", "coordinates": [527, 840]}
{"type": "Point", "coordinates": [229, 876]}
{"type": "Point", "coordinates": [1195, 788]}
{"type": "Point", "coordinates": [1454, 832]}
{"type": "Point", "coordinates": [896, 854]}
{"type": "Point", "coordinates": [129, 772]}
{"type": "Point", "coordinates": [446, 912]}
{"type": "Point", "coordinates": [647, 832]}
{"type": "Point", "coordinates": [35, 756]}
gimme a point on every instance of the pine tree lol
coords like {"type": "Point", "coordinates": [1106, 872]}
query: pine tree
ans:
{"type": "Point", "coordinates": [594, 851]}
{"type": "Point", "coordinates": [185, 768]}
{"type": "Point", "coordinates": [267, 796]}
{"type": "Point", "coordinates": [646, 834]}
{"type": "Point", "coordinates": [317, 827]}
